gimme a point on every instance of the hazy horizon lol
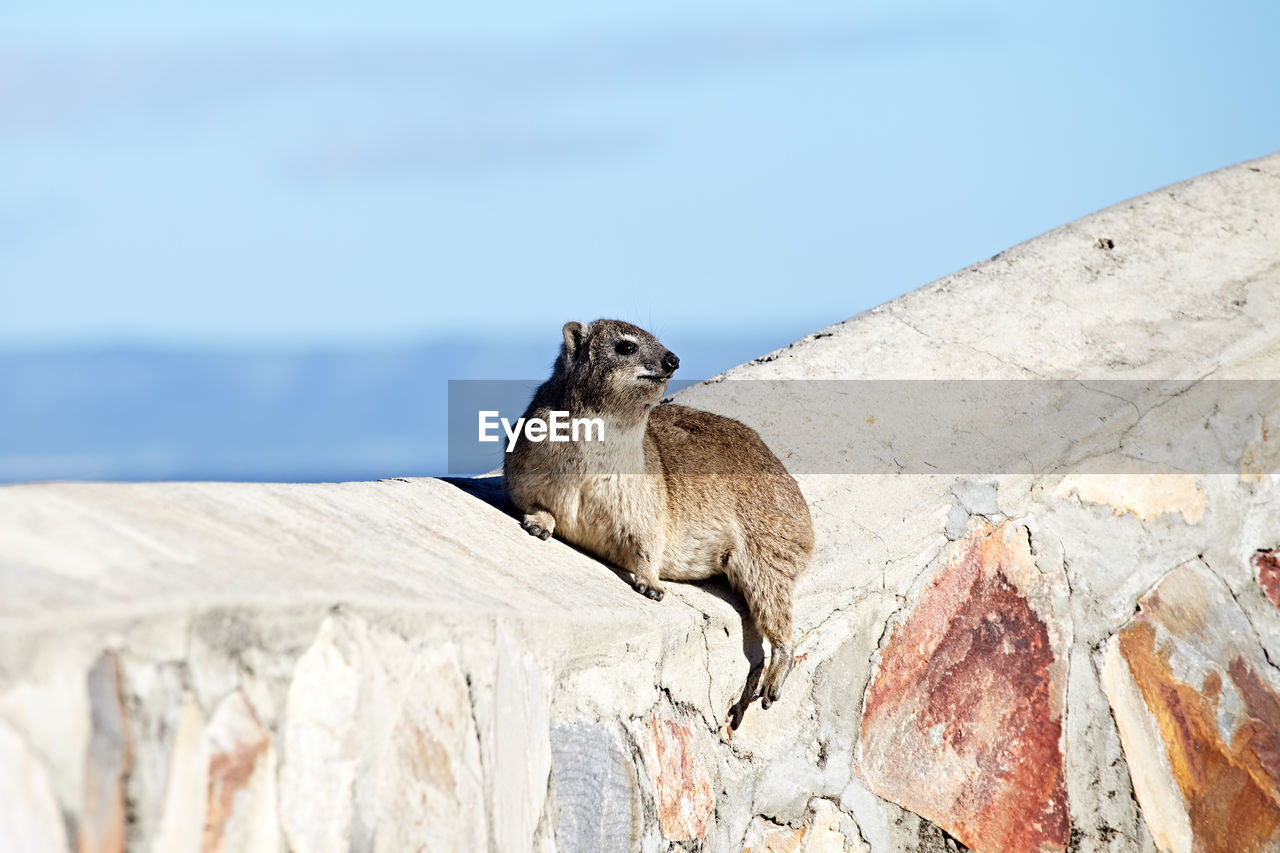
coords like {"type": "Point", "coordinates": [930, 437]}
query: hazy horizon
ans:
{"type": "Point", "coordinates": [300, 414]}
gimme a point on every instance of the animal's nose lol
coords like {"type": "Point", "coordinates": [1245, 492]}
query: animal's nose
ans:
{"type": "Point", "coordinates": [670, 361]}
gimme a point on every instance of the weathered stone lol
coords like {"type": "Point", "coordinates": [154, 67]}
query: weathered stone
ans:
{"type": "Point", "coordinates": [764, 836]}
{"type": "Point", "coordinates": [102, 815]}
{"type": "Point", "coordinates": [822, 833]}
{"type": "Point", "coordinates": [51, 710]}
{"type": "Point", "coordinates": [430, 789]}
{"type": "Point", "coordinates": [29, 815]}
{"type": "Point", "coordinates": [157, 699]}
{"type": "Point", "coordinates": [594, 789]}
{"type": "Point", "coordinates": [826, 833]}
{"type": "Point", "coordinates": [1105, 818]}
{"type": "Point", "coordinates": [681, 787]}
{"type": "Point", "coordinates": [1198, 708]}
{"type": "Point", "coordinates": [380, 746]}
{"type": "Point", "coordinates": [183, 819]}
{"type": "Point", "coordinates": [962, 722]}
{"type": "Point", "coordinates": [241, 798]}
{"type": "Point", "coordinates": [1147, 496]}
{"type": "Point", "coordinates": [318, 774]}
{"type": "Point", "coordinates": [522, 747]}
{"type": "Point", "coordinates": [1267, 565]}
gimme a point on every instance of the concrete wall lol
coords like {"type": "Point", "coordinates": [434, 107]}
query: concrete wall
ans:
{"type": "Point", "coordinates": [1065, 658]}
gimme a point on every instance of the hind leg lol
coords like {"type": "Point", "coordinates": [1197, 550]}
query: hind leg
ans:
{"type": "Point", "coordinates": [769, 600]}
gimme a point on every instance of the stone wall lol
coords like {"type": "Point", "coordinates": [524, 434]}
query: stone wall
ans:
{"type": "Point", "coordinates": [1071, 658]}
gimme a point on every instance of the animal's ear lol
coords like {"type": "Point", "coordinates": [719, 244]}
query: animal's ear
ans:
{"type": "Point", "coordinates": [575, 335]}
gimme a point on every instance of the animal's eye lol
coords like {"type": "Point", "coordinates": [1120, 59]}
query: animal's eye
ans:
{"type": "Point", "coordinates": [626, 348]}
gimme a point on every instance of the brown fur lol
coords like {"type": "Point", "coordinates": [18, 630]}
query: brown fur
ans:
{"type": "Point", "coordinates": [672, 492]}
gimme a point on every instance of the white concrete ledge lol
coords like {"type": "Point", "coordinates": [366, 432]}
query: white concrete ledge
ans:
{"type": "Point", "coordinates": [395, 665]}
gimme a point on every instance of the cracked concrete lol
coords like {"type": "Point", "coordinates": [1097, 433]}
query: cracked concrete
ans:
{"type": "Point", "coordinates": [483, 665]}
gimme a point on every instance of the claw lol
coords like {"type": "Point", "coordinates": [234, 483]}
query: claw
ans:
{"type": "Point", "coordinates": [648, 591]}
{"type": "Point", "coordinates": [539, 524]}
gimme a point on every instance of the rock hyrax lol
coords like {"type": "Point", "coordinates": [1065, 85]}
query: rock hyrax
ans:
{"type": "Point", "coordinates": [670, 492]}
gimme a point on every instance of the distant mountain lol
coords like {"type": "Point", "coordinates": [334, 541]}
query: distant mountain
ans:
{"type": "Point", "coordinates": [305, 416]}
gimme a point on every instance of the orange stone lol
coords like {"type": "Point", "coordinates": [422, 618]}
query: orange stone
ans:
{"type": "Point", "coordinates": [1199, 717]}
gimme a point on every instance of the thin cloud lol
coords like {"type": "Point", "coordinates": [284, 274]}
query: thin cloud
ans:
{"type": "Point", "coordinates": [44, 89]}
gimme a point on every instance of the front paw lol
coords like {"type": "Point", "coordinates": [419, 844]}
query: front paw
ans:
{"type": "Point", "coordinates": [654, 590]}
{"type": "Point", "coordinates": [540, 524]}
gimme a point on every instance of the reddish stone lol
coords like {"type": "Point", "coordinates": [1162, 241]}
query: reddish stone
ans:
{"type": "Point", "coordinates": [1267, 565]}
{"type": "Point", "coordinates": [681, 788]}
{"type": "Point", "coordinates": [102, 814]}
{"type": "Point", "coordinates": [236, 742]}
{"type": "Point", "coordinates": [962, 721]}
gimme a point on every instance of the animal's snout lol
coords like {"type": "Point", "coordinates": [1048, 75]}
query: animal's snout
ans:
{"type": "Point", "coordinates": [670, 361]}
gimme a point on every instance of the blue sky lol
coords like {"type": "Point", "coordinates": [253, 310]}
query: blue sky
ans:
{"type": "Point", "coordinates": [303, 174]}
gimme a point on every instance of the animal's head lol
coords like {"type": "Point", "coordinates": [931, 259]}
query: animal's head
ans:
{"type": "Point", "coordinates": [611, 362]}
